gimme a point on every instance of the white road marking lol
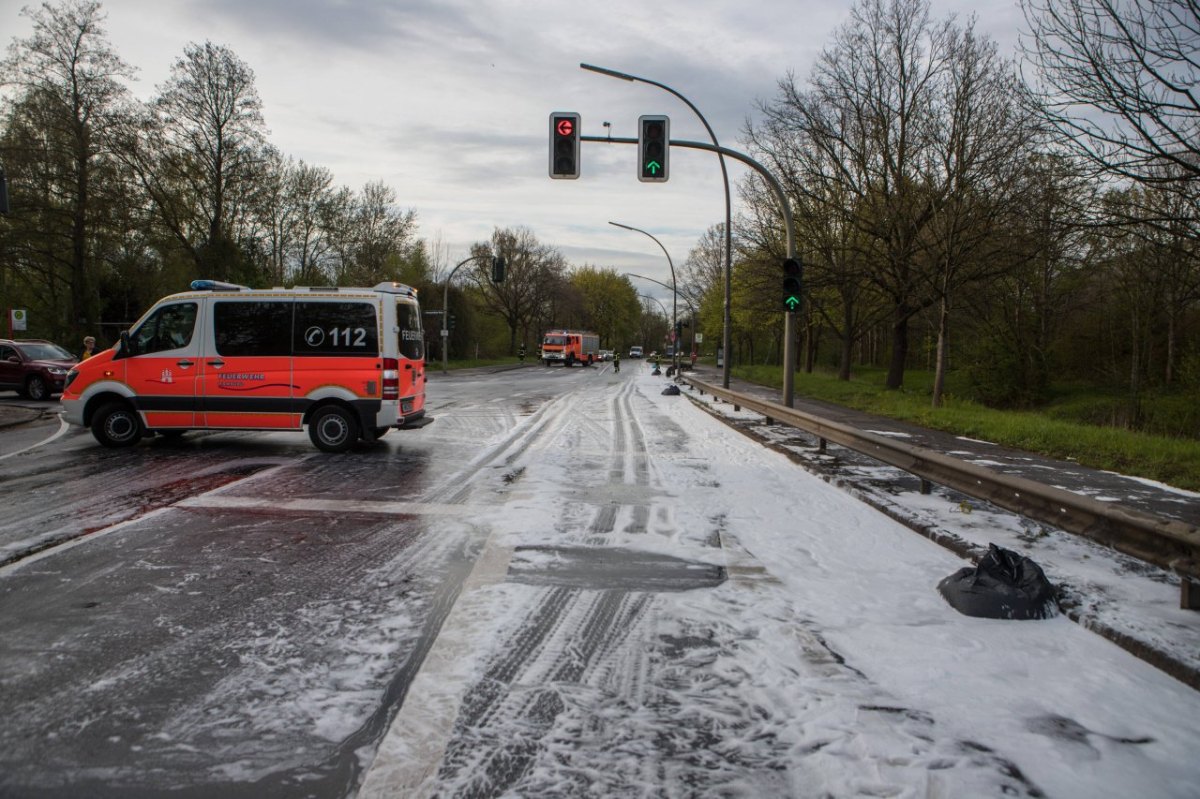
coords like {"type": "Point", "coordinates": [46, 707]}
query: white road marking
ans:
{"type": "Point", "coordinates": [225, 502]}
{"type": "Point", "coordinates": [62, 429]}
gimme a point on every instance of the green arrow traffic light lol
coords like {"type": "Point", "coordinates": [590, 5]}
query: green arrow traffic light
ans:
{"type": "Point", "coordinates": [654, 141]}
{"type": "Point", "coordinates": [791, 284]}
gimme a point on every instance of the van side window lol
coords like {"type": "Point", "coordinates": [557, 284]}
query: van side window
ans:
{"type": "Point", "coordinates": [408, 319]}
{"type": "Point", "coordinates": [253, 328]}
{"type": "Point", "coordinates": [335, 328]}
{"type": "Point", "coordinates": [168, 328]}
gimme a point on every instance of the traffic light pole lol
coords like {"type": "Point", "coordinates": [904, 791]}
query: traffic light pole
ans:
{"type": "Point", "coordinates": [726, 322]}
{"type": "Point", "coordinates": [446, 309]}
{"type": "Point", "coordinates": [785, 208]}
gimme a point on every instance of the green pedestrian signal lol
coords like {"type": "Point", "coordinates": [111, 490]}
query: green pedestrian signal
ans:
{"type": "Point", "coordinates": [791, 285]}
{"type": "Point", "coordinates": [654, 146]}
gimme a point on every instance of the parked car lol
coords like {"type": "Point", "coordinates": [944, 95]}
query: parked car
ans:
{"type": "Point", "coordinates": [34, 368]}
{"type": "Point", "coordinates": [635, 352]}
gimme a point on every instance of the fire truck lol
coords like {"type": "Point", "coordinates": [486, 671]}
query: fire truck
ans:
{"type": "Point", "coordinates": [569, 347]}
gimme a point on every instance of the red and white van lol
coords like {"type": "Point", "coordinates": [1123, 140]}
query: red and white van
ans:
{"type": "Point", "coordinates": [348, 363]}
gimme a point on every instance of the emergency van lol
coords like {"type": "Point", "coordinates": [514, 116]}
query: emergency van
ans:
{"type": "Point", "coordinates": [347, 363]}
{"type": "Point", "coordinates": [570, 346]}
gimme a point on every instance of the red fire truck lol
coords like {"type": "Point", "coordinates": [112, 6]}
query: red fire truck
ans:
{"type": "Point", "coordinates": [570, 347]}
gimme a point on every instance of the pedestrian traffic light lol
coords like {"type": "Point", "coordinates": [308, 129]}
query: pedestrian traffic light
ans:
{"type": "Point", "coordinates": [498, 269]}
{"type": "Point", "coordinates": [564, 145]}
{"type": "Point", "coordinates": [654, 139]}
{"type": "Point", "coordinates": [791, 284]}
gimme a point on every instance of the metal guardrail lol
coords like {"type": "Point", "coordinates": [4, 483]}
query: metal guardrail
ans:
{"type": "Point", "coordinates": [1168, 543]}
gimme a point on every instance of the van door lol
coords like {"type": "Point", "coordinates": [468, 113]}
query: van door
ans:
{"type": "Point", "coordinates": [163, 365]}
{"type": "Point", "coordinates": [247, 381]}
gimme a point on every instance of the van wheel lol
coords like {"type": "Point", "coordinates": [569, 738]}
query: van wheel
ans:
{"type": "Point", "coordinates": [117, 425]}
{"type": "Point", "coordinates": [333, 429]}
{"type": "Point", "coordinates": [380, 432]}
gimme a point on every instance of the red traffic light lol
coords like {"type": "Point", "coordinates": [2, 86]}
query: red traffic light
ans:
{"type": "Point", "coordinates": [564, 146]}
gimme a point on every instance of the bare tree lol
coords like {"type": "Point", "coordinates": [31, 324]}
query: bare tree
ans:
{"type": "Point", "coordinates": [211, 137]}
{"type": "Point", "coordinates": [860, 135]}
{"type": "Point", "coordinates": [982, 138]}
{"type": "Point", "coordinates": [533, 272]}
{"type": "Point", "coordinates": [1119, 82]}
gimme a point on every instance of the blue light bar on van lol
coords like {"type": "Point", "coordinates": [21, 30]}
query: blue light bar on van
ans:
{"type": "Point", "coordinates": [216, 285]}
{"type": "Point", "coordinates": [393, 287]}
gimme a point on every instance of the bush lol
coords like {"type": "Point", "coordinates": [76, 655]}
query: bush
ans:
{"type": "Point", "coordinates": [1000, 377]}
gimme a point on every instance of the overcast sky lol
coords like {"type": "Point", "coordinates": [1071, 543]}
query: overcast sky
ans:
{"type": "Point", "coordinates": [448, 101]}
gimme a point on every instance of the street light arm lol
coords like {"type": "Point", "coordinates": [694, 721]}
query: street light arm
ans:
{"type": "Point", "coordinates": [727, 323]}
{"type": "Point", "coordinates": [446, 307]}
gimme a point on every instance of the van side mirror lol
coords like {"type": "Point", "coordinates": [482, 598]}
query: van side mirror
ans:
{"type": "Point", "coordinates": [126, 348]}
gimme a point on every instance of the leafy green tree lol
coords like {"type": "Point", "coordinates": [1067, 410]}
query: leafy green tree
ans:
{"type": "Point", "coordinates": [610, 304]}
{"type": "Point", "coordinates": [69, 85]}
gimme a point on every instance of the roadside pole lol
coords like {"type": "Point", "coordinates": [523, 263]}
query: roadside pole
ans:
{"type": "Point", "coordinates": [446, 310]}
{"type": "Point", "coordinates": [785, 208]}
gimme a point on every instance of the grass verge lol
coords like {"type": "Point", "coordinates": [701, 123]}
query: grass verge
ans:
{"type": "Point", "coordinates": [1170, 460]}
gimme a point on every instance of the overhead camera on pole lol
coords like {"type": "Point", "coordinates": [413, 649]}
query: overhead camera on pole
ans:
{"type": "Point", "coordinates": [654, 139]}
{"type": "Point", "coordinates": [564, 145]}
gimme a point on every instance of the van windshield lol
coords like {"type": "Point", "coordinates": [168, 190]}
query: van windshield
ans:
{"type": "Point", "coordinates": [408, 319]}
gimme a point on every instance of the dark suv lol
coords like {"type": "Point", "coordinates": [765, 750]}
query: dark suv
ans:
{"type": "Point", "coordinates": [35, 368]}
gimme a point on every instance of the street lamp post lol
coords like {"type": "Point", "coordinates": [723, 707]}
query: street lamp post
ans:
{"type": "Point", "coordinates": [726, 323]}
{"type": "Point", "coordinates": [446, 309]}
{"type": "Point", "coordinates": [686, 301]}
{"type": "Point", "coordinates": [674, 290]}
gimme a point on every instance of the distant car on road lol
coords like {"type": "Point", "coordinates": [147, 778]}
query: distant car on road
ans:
{"type": "Point", "coordinates": [635, 352]}
{"type": "Point", "coordinates": [34, 368]}
{"type": "Point", "coordinates": [606, 355]}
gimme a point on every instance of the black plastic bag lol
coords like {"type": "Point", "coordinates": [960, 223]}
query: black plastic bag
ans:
{"type": "Point", "coordinates": [671, 390]}
{"type": "Point", "coordinates": [1004, 585]}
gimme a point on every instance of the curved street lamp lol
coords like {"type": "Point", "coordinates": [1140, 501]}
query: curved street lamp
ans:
{"type": "Point", "coordinates": [446, 307]}
{"type": "Point", "coordinates": [726, 322]}
{"type": "Point", "coordinates": [674, 288]}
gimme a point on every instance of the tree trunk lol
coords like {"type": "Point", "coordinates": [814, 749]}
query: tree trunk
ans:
{"type": "Point", "coordinates": [939, 369]}
{"type": "Point", "coordinates": [895, 375]}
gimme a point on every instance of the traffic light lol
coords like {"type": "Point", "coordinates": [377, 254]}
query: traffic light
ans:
{"type": "Point", "coordinates": [791, 284]}
{"type": "Point", "coordinates": [564, 145]}
{"type": "Point", "coordinates": [654, 139]}
{"type": "Point", "coordinates": [498, 269]}
{"type": "Point", "coordinates": [3, 192]}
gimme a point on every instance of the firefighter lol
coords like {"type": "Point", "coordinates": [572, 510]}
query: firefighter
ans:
{"type": "Point", "coordinates": [616, 361]}
{"type": "Point", "coordinates": [521, 353]}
